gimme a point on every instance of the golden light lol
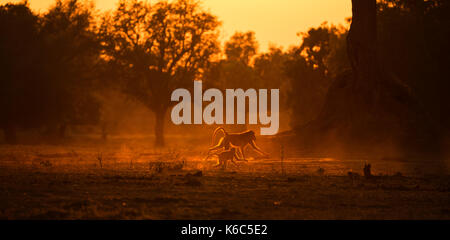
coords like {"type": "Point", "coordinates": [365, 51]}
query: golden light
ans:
{"type": "Point", "coordinates": [274, 21]}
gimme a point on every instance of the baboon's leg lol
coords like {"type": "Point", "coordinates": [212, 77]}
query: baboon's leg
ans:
{"type": "Point", "coordinates": [232, 160]}
{"type": "Point", "coordinates": [241, 149]}
{"type": "Point", "coordinates": [253, 144]}
{"type": "Point", "coordinates": [237, 154]}
{"type": "Point", "coordinates": [219, 162]}
{"type": "Point", "coordinates": [237, 158]}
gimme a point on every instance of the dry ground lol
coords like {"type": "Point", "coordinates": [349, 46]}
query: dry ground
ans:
{"type": "Point", "coordinates": [67, 182]}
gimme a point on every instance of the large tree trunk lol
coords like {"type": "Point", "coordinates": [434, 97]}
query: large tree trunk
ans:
{"type": "Point", "coordinates": [365, 110]}
{"type": "Point", "coordinates": [362, 46]}
{"type": "Point", "coordinates": [351, 105]}
{"type": "Point", "coordinates": [159, 127]}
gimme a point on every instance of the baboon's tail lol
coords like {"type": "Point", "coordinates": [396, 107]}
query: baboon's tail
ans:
{"type": "Point", "coordinates": [216, 131]}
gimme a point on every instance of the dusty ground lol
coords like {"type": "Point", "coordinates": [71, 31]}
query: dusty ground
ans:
{"type": "Point", "coordinates": [67, 182]}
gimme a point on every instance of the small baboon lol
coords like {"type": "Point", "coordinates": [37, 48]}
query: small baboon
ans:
{"type": "Point", "coordinates": [224, 156]}
{"type": "Point", "coordinates": [237, 140]}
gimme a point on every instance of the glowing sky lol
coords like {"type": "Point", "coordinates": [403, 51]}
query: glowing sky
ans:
{"type": "Point", "coordinates": [273, 21]}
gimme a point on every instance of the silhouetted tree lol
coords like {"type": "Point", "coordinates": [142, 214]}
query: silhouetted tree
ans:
{"type": "Point", "coordinates": [70, 56]}
{"type": "Point", "coordinates": [19, 42]}
{"type": "Point", "coordinates": [48, 66]}
{"type": "Point", "coordinates": [368, 107]}
{"type": "Point", "coordinates": [311, 68]}
{"type": "Point", "coordinates": [235, 71]}
{"type": "Point", "coordinates": [413, 37]}
{"type": "Point", "coordinates": [241, 47]}
{"type": "Point", "coordinates": [270, 68]}
{"type": "Point", "coordinates": [155, 49]}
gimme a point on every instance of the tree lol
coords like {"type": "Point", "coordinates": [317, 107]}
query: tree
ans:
{"type": "Point", "coordinates": [368, 107]}
{"type": "Point", "coordinates": [311, 68]}
{"type": "Point", "coordinates": [270, 68]}
{"type": "Point", "coordinates": [241, 47]}
{"type": "Point", "coordinates": [236, 69]}
{"type": "Point", "coordinates": [155, 49]}
{"type": "Point", "coordinates": [413, 37]}
{"type": "Point", "coordinates": [69, 58]}
{"type": "Point", "coordinates": [48, 66]}
{"type": "Point", "coordinates": [19, 30]}
{"type": "Point", "coordinates": [316, 46]}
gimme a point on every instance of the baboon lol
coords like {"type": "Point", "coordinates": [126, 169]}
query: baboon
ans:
{"type": "Point", "coordinates": [224, 156]}
{"type": "Point", "coordinates": [237, 140]}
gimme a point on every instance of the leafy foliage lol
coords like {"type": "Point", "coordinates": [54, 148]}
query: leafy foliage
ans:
{"type": "Point", "coordinates": [47, 66]}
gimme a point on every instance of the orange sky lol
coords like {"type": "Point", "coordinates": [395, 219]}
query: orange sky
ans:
{"type": "Point", "coordinates": [273, 21]}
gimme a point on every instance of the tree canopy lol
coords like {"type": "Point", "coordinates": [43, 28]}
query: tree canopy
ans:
{"type": "Point", "coordinates": [158, 48]}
